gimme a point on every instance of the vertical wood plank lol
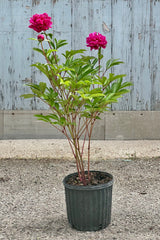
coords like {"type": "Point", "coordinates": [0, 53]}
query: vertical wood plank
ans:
{"type": "Point", "coordinates": [140, 55]}
{"type": "Point", "coordinates": [154, 61]}
{"type": "Point", "coordinates": [21, 56]}
{"type": "Point", "coordinates": [5, 55]}
{"type": "Point", "coordinates": [15, 53]}
{"type": "Point", "coordinates": [122, 45]}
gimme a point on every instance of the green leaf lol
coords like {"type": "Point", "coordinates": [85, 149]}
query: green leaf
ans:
{"type": "Point", "coordinates": [60, 43]}
{"type": "Point", "coordinates": [38, 50]}
{"type": "Point", "coordinates": [52, 44]}
{"type": "Point", "coordinates": [100, 56]}
{"type": "Point", "coordinates": [53, 116]}
{"type": "Point", "coordinates": [28, 95]}
{"type": "Point", "coordinates": [50, 35]}
{"type": "Point", "coordinates": [49, 51]}
{"type": "Point", "coordinates": [33, 39]}
{"type": "Point", "coordinates": [42, 118]}
{"type": "Point", "coordinates": [94, 61]}
{"type": "Point", "coordinates": [97, 117]}
{"type": "Point", "coordinates": [37, 92]}
{"type": "Point", "coordinates": [35, 89]}
{"type": "Point", "coordinates": [73, 52]}
{"type": "Point", "coordinates": [112, 62]}
{"type": "Point", "coordinates": [123, 91]}
{"type": "Point", "coordinates": [66, 83]}
{"type": "Point", "coordinates": [43, 68]}
{"type": "Point", "coordinates": [42, 87]}
{"type": "Point", "coordinates": [110, 96]}
{"type": "Point", "coordinates": [126, 84]}
{"type": "Point", "coordinates": [85, 72]}
{"type": "Point", "coordinates": [97, 95]}
{"type": "Point", "coordinates": [112, 77]}
{"type": "Point", "coordinates": [87, 58]}
{"type": "Point", "coordinates": [56, 105]}
{"type": "Point", "coordinates": [62, 120]}
{"type": "Point", "coordinates": [116, 85]}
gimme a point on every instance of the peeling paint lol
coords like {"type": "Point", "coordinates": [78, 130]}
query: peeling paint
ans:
{"type": "Point", "coordinates": [35, 2]}
{"type": "Point", "coordinates": [139, 35]}
{"type": "Point", "coordinates": [133, 36]}
{"type": "Point", "coordinates": [10, 70]}
{"type": "Point", "coordinates": [27, 80]}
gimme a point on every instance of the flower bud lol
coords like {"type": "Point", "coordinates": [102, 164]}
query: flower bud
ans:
{"type": "Point", "coordinates": [40, 37]}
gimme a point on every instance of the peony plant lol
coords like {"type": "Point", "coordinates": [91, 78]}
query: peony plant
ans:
{"type": "Point", "coordinates": [79, 88]}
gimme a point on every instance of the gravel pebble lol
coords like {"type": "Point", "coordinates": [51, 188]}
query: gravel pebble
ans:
{"type": "Point", "coordinates": [32, 200]}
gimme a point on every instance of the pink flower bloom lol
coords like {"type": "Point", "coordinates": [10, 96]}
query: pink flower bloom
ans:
{"type": "Point", "coordinates": [96, 40]}
{"type": "Point", "coordinates": [40, 22]}
{"type": "Point", "coordinates": [40, 37]}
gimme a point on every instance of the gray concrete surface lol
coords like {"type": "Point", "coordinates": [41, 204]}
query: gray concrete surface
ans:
{"type": "Point", "coordinates": [114, 125]}
{"type": "Point", "coordinates": [32, 199]}
{"type": "Point", "coordinates": [59, 149]}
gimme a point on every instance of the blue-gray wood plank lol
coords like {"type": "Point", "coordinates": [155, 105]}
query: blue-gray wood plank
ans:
{"type": "Point", "coordinates": [133, 37]}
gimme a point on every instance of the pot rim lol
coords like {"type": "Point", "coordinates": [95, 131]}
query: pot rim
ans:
{"type": "Point", "coordinates": [88, 187]}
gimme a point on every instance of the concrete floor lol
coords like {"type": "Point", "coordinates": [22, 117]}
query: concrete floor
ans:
{"type": "Point", "coordinates": [32, 198]}
{"type": "Point", "coordinates": [33, 207]}
{"type": "Point", "coordinates": [59, 149]}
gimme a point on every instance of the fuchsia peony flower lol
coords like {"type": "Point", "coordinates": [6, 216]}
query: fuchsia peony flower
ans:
{"type": "Point", "coordinates": [96, 40]}
{"type": "Point", "coordinates": [40, 37]}
{"type": "Point", "coordinates": [40, 22]}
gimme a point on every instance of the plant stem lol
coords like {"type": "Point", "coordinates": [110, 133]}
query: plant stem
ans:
{"type": "Point", "coordinates": [54, 76]}
{"type": "Point", "coordinates": [99, 60]}
{"type": "Point", "coordinates": [54, 53]}
{"type": "Point", "coordinates": [89, 142]}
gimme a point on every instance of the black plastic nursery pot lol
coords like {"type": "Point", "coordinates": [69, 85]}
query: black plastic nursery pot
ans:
{"type": "Point", "coordinates": [89, 207]}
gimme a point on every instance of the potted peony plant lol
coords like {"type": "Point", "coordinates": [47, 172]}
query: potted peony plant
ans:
{"type": "Point", "coordinates": [79, 90]}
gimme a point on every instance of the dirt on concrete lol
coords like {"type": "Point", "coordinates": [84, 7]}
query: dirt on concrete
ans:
{"type": "Point", "coordinates": [59, 149]}
{"type": "Point", "coordinates": [32, 200]}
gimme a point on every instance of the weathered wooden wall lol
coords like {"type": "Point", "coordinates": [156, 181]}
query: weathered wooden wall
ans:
{"type": "Point", "coordinates": [134, 37]}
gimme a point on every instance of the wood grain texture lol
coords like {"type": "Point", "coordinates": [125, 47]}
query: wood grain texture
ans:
{"type": "Point", "coordinates": [133, 37]}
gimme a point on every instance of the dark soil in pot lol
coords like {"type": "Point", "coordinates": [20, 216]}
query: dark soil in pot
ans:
{"type": "Point", "coordinates": [96, 178]}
